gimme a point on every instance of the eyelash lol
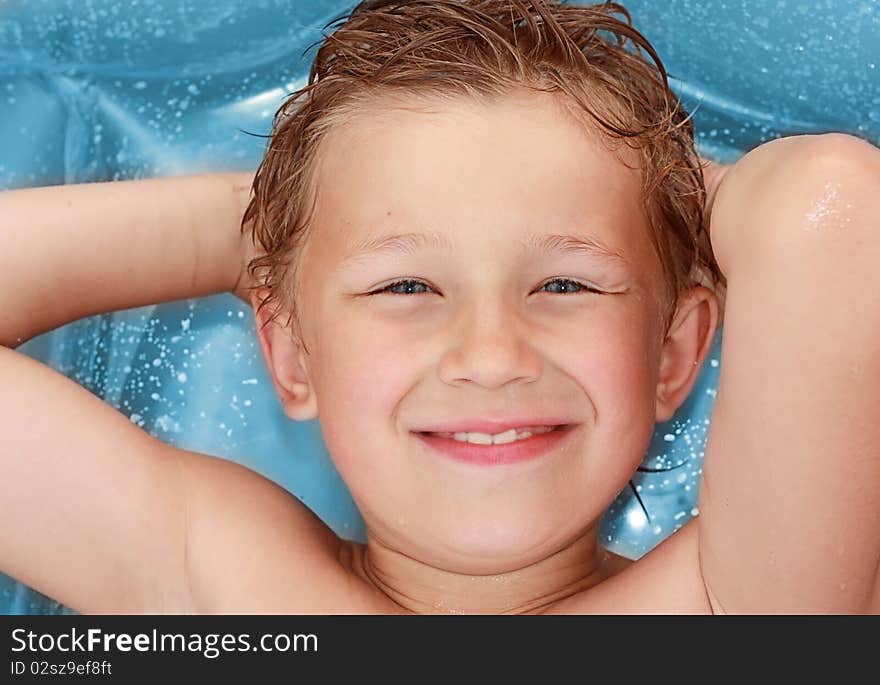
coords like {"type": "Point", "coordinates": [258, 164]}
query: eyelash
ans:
{"type": "Point", "coordinates": [403, 281]}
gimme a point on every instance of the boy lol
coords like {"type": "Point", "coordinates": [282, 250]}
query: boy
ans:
{"type": "Point", "coordinates": [484, 225]}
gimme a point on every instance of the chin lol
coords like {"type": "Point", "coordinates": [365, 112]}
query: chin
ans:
{"type": "Point", "coordinates": [486, 548]}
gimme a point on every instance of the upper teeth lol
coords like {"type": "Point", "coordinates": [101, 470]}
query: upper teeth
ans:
{"type": "Point", "coordinates": [500, 438]}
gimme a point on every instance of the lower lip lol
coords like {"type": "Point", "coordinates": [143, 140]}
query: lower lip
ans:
{"type": "Point", "coordinates": [495, 455]}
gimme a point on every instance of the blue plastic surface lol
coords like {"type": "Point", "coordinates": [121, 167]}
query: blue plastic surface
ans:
{"type": "Point", "coordinates": [107, 90]}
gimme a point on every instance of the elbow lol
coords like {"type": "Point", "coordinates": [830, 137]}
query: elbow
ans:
{"type": "Point", "coordinates": [813, 192]}
{"type": "Point", "coordinates": [803, 163]}
{"type": "Point", "coordinates": [843, 163]}
{"type": "Point", "coordinates": [828, 192]}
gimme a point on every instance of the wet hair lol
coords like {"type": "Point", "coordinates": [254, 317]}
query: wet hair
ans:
{"type": "Point", "coordinates": [601, 68]}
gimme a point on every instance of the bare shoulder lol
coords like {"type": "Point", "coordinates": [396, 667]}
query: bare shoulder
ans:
{"type": "Point", "coordinates": [254, 548]}
{"type": "Point", "coordinates": [667, 580]}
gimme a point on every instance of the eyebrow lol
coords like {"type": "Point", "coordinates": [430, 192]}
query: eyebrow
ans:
{"type": "Point", "coordinates": [574, 244]}
{"type": "Point", "coordinates": [399, 243]}
{"type": "Point", "coordinates": [409, 243]}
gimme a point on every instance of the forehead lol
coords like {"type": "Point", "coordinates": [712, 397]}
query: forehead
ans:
{"type": "Point", "coordinates": [521, 165]}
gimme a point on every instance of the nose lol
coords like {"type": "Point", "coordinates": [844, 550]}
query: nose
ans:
{"type": "Point", "coordinates": [489, 347]}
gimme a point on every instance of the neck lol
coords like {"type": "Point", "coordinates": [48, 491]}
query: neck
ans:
{"type": "Point", "coordinates": [532, 589]}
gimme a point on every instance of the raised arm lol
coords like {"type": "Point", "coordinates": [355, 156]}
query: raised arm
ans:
{"type": "Point", "coordinates": [94, 508]}
{"type": "Point", "coordinates": [790, 500]}
{"type": "Point", "coordinates": [76, 250]}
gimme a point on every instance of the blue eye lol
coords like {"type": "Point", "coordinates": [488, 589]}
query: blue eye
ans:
{"type": "Point", "coordinates": [569, 286]}
{"type": "Point", "coordinates": [404, 286]}
{"type": "Point", "coordinates": [408, 286]}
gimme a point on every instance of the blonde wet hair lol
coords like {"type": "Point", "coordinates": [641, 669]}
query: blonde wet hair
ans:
{"type": "Point", "coordinates": [604, 71]}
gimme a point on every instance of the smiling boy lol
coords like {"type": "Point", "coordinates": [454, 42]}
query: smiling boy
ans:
{"type": "Point", "coordinates": [494, 289]}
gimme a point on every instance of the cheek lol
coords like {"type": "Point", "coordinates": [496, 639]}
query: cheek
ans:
{"type": "Point", "coordinates": [614, 349]}
{"type": "Point", "coordinates": [362, 361]}
{"type": "Point", "coordinates": [360, 373]}
{"type": "Point", "coordinates": [627, 373]}
{"type": "Point", "coordinates": [616, 366]}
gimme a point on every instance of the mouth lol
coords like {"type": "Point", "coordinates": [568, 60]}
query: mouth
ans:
{"type": "Point", "coordinates": [502, 438]}
{"type": "Point", "coordinates": [507, 447]}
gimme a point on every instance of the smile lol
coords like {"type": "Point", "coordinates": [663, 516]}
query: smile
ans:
{"type": "Point", "coordinates": [509, 447]}
{"type": "Point", "coordinates": [504, 438]}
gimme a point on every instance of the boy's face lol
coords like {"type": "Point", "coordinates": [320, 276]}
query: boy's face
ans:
{"type": "Point", "coordinates": [494, 324]}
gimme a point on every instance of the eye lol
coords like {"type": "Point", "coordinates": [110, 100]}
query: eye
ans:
{"type": "Point", "coordinates": [565, 286]}
{"type": "Point", "coordinates": [405, 286]}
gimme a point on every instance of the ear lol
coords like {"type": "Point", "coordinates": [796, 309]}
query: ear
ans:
{"type": "Point", "coordinates": [285, 361]}
{"type": "Point", "coordinates": [687, 343]}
